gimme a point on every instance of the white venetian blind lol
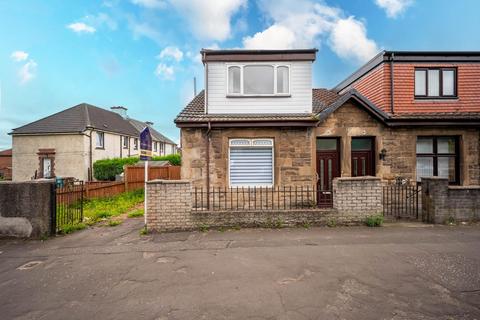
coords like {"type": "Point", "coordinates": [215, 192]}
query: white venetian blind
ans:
{"type": "Point", "coordinates": [251, 162]}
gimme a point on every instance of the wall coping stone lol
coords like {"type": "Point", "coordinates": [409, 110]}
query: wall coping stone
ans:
{"type": "Point", "coordinates": [357, 178]}
{"type": "Point", "coordinates": [464, 187]}
{"type": "Point", "coordinates": [161, 181]}
{"type": "Point", "coordinates": [28, 181]}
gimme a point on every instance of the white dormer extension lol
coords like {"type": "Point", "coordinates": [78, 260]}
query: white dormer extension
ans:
{"type": "Point", "coordinates": [258, 81]}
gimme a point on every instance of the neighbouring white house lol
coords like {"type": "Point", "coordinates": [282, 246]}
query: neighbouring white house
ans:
{"type": "Point", "coordinates": [67, 143]}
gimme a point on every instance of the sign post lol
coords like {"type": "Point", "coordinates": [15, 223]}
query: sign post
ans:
{"type": "Point", "coordinates": [145, 155]}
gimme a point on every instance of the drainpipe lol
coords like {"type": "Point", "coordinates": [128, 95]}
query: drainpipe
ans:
{"type": "Point", "coordinates": [207, 140]}
{"type": "Point", "coordinates": [392, 109]}
{"type": "Point", "coordinates": [90, 157]}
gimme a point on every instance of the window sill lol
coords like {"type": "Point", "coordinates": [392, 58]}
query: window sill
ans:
{"type": "Point", "coordinates": [287, 95]}
{"type": "Point", "coordinates": [436, 99]}
{"type": "Point", "coordinates": [99, 148]}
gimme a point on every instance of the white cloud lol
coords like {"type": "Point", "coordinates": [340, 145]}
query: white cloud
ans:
{"type": "Point", "coordinates": [305, 24]}
{"type": "Point", "coordinates": [164, 71]}
{"type": "Point", "coordinates": [394, 8]}
{"type": "Point", "coordinates": [80, 27]}
{"type": "Point", "coordinates": [349, 40]}
{"type": "Point", "coordinates": [19, 55]}
{"type": "Point", "coordinates": [209, 19]}
{"type": "Point", "coordinates": [171, 52]}
{"type": "Point", "coordinates": [98, 20]}
{"type": "Point", "coordinates": [28, 71]}
{"type": "Point", "coordinates": [150, 4]}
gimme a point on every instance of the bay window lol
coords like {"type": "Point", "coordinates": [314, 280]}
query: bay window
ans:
{"type": "Point", "coordinates": [258, 80]}
{"type": "Point", "coordinates": [438, 156]}
{"type": "Point", "coordinates": [251, 162]}
{"type": "Point", "coordinates": [435, 82]}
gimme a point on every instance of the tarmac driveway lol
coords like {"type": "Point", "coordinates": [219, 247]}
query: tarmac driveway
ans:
{"type": "Point", "coordinates": [392, 272]}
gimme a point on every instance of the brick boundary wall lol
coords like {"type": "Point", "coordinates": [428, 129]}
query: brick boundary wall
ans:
{"type": "Point", "coordinates": [441, 202]}
{"type": "Point", "coordinates": [170, 208]}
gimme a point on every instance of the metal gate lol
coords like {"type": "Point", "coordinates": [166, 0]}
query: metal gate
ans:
{"type": "Point", "coordinates": [402, 200]}
{"type": "Point", "coordinates": [68, 206]}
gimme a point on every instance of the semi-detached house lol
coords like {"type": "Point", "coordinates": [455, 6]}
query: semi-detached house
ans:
{"type": "Point", "coordinates": [67, 143]}
{"type": "Point", "coordinates": [403, 115]}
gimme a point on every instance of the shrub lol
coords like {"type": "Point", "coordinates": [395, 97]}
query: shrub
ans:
{"type": "Point", "coordinates": [174, 159]}
{"type": "Point", "coordinates": [107, 169]}
{"type": "Point", "coordinates": [374, 221]}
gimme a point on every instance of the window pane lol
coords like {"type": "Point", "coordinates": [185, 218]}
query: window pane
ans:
{"type": "Point", "coordinates": [282, 80]}
{"type": "Point", "coordinates": [433, 83]}
{"type": "Point", "coordinates": [446, 168]}
{"type": "Point", "coordinates": [258, 79]}
{"type": "Point", "coordinates": [99, 139]}
{"type": "Point", "coordinates": [424, 167]}
{"type": "Point", "coordinates": [424, 145]}
{"type": "Point", "coordinates": [420, 78]}
{"type": "Point", "coordinates": [362, 144]}
{"type": "Point", "coordinates": [446, 145]}
{"type": "Point", "coordinates": [326, 144]}
{"type": "Point", "coordinates": [234, 80]}
{"type": "Point", "coordinates": [448, 82]}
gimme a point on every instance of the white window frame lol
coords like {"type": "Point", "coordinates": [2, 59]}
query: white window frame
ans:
{"type": "Point", "coordinates": [249, 142]}
{"type": "Point", "coordinates": [102, 145]}
{"type": "Point", "coordinates": [274, 94]}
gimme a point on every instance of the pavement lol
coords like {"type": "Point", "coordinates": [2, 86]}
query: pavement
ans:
{"type": "Point", "coordinates": [408, 271]}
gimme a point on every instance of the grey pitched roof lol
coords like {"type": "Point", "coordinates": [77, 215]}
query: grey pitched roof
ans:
{"type": "Point", "coordinates": [140, 125]}
{"type": "Point", "coordinates": [80, 117]}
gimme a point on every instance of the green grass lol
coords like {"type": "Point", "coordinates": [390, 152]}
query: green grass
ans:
{"type": "Point", "coordinates": [136, 213]}
{"type": "Point", "coordinates": [114, 223]}
{"type": "Point", "coordinates": [98, 209]}
{"type": "Point", "coordinates": [374, 221]}
{"type": "Point", "coordinates": [69, 228]}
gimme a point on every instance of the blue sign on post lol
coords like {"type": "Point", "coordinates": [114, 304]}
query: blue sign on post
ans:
{"type": "Point", "coordinates": [145, 144]}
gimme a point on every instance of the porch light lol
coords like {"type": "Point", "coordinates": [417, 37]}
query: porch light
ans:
{"type": "Point", "coordinates": [383, 154]}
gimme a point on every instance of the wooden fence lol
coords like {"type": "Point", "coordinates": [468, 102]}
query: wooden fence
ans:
{"type": "Point", "coordinates": [134, 179]}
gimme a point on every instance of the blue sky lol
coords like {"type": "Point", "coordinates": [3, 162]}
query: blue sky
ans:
{"type": "Point", "coordinates": [143, 54]}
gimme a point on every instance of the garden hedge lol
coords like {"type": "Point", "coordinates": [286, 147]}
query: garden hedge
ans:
{"type": "Point", "coordinates": [107, 169]}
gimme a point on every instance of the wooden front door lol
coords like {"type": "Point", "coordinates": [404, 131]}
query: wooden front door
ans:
{"type": "Point", "coordinates": [363, 161]}
{"type": "Point", "coordinates": [328, 168]}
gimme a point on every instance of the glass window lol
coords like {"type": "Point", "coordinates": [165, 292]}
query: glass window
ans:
{"type": "Point", "coordinates": [361, 144]}
{"type": "Point", "coordinates": [425, 145]}
{"type": "Point", "coordinates": [437, 156]}
{"type": "Point", "coordinates": [155, 146]}
{"type": "Point", "coordinates": [135, 143]}
{"type": "Point", "coordinates": [282, 80]}
{"type": "Point", "coordinates": [234, 80]}
{"type": "Point", "coordinates": [258, 79]}
{"type": "Point", "coordinates": [100, 140]}
{"type": "Point", "coordinates": [327, 144]}
{"type": "Point", "coordinates": [420, 82]}
{"type": "Point", "coordinates": [125, 142]}
{"type": "Point", "coordinates": [433, 83]}
{"type": "Point", "coordinates": [448, 82]}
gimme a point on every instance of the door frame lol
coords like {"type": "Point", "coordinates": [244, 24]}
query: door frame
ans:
{"type": "Point", "coordinates": [373, 166]}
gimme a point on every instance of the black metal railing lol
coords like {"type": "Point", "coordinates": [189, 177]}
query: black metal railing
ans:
{"type": "Point", "coordinates": [260, 198]}
{"type": "Point", "coordinates": [68, 208]}
{"type": "Point", "coordinates": [402, 200]}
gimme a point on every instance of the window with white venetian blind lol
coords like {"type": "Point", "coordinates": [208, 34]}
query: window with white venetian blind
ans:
{"type": "Point", "coordinates": [251, 162]}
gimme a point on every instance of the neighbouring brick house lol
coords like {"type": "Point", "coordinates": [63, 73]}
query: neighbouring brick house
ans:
{"type": "Point", "coordinates": [67, 143]}
{"type": "Point", "coordinates": [259, 122]}
{"type": "Point", "coordinates": [6, 164]}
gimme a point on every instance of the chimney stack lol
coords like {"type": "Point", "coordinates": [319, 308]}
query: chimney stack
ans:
{"type": "Point", "coordinates": [120, 110]}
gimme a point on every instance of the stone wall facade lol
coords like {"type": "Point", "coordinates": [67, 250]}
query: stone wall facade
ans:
{"type": "Point", "coordinates": [26, 209]}
{"type": "Point", "coordinates": [294, 154]}
{"type": "Point", "coordinates": [441, 202]}
{"type": "Point", "coordinates": [169, 208]}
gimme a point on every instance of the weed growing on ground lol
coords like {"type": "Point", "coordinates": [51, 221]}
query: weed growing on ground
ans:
{"type": "Point", "coordinates": [97, 209]}
{"type": "Point", "coordinates": [69, 228]}
{"type": "Point", "coordinates": [450, 221]}
{"type": "Point", "coordinates": [143, 231]}
{"type": "Point", "coordinates": [374, 221]}
{"type": "Point", "coordinates": [114, 223]}
{"type": "Point", "coordinates": [136, 213]}
{"type": "Point", "coordinates": [332, 223]}
{"type": "Point", "coordinates": [237, 227]}
{"type": "Point", "coordinates": [203, 227]}
{"type": "Point", "coordinates": [306, 224]}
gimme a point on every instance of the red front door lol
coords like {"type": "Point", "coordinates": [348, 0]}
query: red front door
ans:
{"type": "Point", "coordinates": [363, 157]}
{"type": "Point", "coordinates": [328, 168]}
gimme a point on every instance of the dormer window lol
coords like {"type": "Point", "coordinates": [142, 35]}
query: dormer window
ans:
{"type": "Point", "coordinates": [258, 80]}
